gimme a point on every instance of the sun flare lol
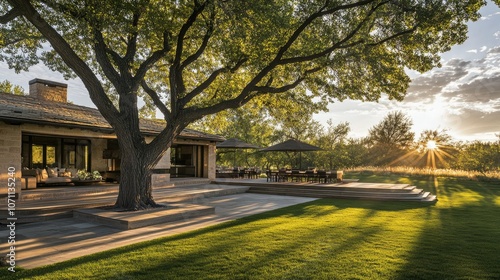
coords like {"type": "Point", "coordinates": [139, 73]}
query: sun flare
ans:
{"type": "Point", "coordinates": [431, 145]}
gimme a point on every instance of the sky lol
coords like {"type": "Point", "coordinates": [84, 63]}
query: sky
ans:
{"type": "Point", "coordinates": [462, 97]}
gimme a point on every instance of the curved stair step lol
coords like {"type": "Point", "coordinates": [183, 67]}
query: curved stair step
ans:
{"type": "Point", "coordinates": [413, 195]}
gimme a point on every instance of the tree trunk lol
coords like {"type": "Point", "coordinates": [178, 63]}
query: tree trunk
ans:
{"type": "Point", "coordinates": [136, 190]}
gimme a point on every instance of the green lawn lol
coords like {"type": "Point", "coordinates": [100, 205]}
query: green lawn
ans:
{"type": "Point", "coordinates": [457, 238]}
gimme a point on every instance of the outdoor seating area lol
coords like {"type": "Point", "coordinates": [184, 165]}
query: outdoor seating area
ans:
{"type": "Point", "coordinates": [58, 176]}
{"type": "Point", "coordinates": [238, 173]}
{"type": "Point", "coordinates": [310, 175]}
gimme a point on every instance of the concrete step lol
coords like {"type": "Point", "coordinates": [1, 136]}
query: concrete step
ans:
{"type": "Point", "coordinates": [55, 193]}
{"type": "Point", "coordinates": [190, 182]}
{"type": "Point", "coordinates": [26, 219]}
{"type": "Point", "coordinates": [413, 195]}
{"type": "Point", "coordinates": [328, 191]}
{"type": "Point", "coordinates": [135, 219]}
{"type": "Point", "coordinates": [44, 209]}
{"type": "Point", "coordinates": [430, 198]}
{"type": "Point", "coordinates": [196, 195]}
{"type": "Point", "coordinates": [386, 188]}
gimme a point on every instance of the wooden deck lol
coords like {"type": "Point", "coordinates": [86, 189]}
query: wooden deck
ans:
{"type": "Point", "coordinates": [347, 189]}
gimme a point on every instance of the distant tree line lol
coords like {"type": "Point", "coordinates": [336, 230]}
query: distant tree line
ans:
{"type": "Point", "coordinates": [389, 143]}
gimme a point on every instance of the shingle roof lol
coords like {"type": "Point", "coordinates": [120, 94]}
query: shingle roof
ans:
{"type": "Point", "coordinates": [26, 109]}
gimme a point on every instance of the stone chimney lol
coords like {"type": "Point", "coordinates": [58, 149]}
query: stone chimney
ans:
{"type": "Point", "coordinates": [48, 90]}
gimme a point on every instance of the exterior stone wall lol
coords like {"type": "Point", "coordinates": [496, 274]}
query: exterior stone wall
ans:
{"type": "Point", "coordinates": [97, 149]}
{"type": "Point", "coordinates": [212, 164]}
{"type": "Point", "coordinates": [162, 179]}
{"type": "Point", "coordinates": [10, 155]}
{"type": "Point", "coordinates": [11, 142]}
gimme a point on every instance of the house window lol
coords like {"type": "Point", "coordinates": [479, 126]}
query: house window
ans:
{"type": "Point", "coordinates": [40, 152]}
{"type": "Point", "coordinates": [45, 151]}
{"type": "Point", "coordinates": [37, 157]}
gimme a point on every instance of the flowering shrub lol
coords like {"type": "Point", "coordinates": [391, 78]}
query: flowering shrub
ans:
{"type": "Point", "coordinates": [96, 175]}
{"type": "Point", "coordinates": [84, 175]}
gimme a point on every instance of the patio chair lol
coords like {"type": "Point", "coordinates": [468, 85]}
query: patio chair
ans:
{"type": "Point", "coordinates": [321, 176]}
{"type": "Point", "coordinates": [310, 175]}
{"type": "Point", "coordinates": [282, 175]}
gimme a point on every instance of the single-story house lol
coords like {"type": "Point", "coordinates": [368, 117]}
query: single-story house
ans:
{"type": "Point", "coordinates": [42, 130]}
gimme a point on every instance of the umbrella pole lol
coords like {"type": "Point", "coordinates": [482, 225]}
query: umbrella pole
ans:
{"type": "Point", "coordinates": [300, 160]}
{"type": "Point", "coordinates": [234, 159]}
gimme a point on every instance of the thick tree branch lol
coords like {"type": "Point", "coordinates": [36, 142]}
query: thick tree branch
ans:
{"type": "Point", "coordinates": [102, 58]}
{"type": "Point", "coordinates": [203, 45]}
{"type": "Point", "coordinates": [157, 101]}
{"type": "Point", "coordinates": [10, 15]}
{"type": "Point", "coordinates": [155, 57]}
{"type": "Point", "coordinates": [402, 33]}
{"type": "Point", "coordinates": [323, 11]}
{"type": "Point", "coordinates": [320, 13]}
{"type": "Point", "coordinates": [246, 93]}
{"type": "Point", "coordinates": [69, 56]}
{"type": "Point", "coordinates": [199, 89]}
{"type": "Point", "coordinates": [251, 88]}
{"type": "Point", "coordinates": [177, 87]}
{"type": "Point", "coordinates": [120, 78]}
{"type": "Point", "coordinates": [132, 40]}
{"type": "Point", "coordinates": [198, 9]}
{"type": "Point", "coordinates": [339, 45]}
{"type": "Point", "coordinates": [15, 41]}
{"type": "Point", "coordinates": [193, 113]}
{"type": "Point", "coordinates": [270, 89]}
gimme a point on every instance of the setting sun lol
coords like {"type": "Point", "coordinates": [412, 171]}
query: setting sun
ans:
{"type": "Point", "coordinates": [431, 145]}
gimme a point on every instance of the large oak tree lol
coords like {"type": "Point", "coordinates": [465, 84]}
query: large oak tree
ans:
{"type": "Point", "coordinates": [195, 58]}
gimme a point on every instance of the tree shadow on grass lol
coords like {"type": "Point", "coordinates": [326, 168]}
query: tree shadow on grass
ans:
{"type": "Point", "coordinates": [461, 244]}
{"type": "Point", "coordinates": [90, 260]}
{"type": "Point", "coordinates": [460, 240]}
{"type": "Point", "coordinates": [233, 230]}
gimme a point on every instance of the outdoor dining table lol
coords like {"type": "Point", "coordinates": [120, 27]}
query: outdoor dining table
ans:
{"type": "Point", "coordinates": [238, 173]}
{"type": "Point", "coordinates": [304, 175]}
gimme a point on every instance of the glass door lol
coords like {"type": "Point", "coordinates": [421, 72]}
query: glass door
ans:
{"type": "Point", "coordinates": [76, 154]}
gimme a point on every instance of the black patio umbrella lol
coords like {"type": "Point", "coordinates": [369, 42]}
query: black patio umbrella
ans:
{"type": "Point", "coordinates": [292, 145]}
{"type": "Point", "coordinates": [234, 143]}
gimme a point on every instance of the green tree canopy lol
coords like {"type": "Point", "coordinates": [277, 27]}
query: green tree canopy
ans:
{"type": "Point", "coordinates": [333, 141]}
{"type": "Point", "coordinates": [390, 139]}
{"type": "Point", "coordinates": [199, 57]}
{"type": "Point", "coordinates": [8, 87]}
{"type": "Point", "coordinates": [393, 131]}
